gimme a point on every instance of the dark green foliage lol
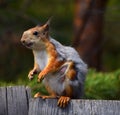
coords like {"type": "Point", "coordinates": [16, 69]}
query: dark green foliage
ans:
{"type": "Point", "coordinates": [102, 85]}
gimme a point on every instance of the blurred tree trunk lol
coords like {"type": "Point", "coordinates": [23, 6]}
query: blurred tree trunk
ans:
{"type": "Point", "coordinates": [88, 30]}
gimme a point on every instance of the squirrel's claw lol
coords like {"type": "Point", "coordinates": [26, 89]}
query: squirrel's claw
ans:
{"type": "Point", "coordinates": [30, 75]}
{"type": "Point", "coordinates": [40, 80]}
{"type": "Point", "coordinates": [41, 76]}
{"type": "Point", "coordinates": [63, 101]}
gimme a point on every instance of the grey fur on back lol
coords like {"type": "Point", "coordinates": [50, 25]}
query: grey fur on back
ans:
{"type": "Point", "coordinates": [68, 53]}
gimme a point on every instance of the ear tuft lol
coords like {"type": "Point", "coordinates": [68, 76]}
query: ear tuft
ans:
{"type": "Point", "coordinates": [47, 24]}
{"type": "Point", "coordinates": [49, 21]}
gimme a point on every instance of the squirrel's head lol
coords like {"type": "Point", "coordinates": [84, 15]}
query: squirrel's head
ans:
{"type": "Point", "coordinates": [36, 37]}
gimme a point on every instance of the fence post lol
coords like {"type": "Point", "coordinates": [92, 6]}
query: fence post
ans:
{"type": "Point", "coordinates": [14, 100]}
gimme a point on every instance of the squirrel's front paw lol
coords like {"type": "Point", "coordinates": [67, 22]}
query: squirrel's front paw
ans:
{"type": "Point", "coordinates": [30, 75]}
{"type": "Point", "coordinates": [41, 77]}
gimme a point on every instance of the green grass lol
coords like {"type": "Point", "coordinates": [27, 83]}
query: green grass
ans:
{"type": "Point", "coordinates": [98, 85]}
{"type": "Point", "coordinates": [102, 85]}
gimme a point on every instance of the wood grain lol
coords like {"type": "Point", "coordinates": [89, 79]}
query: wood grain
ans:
{"type": "Point", "coordinates": [76, 107]}
{"type": "Point", "coordinates": [16, 100]}
{"type": "Point", "coordinates": [3, 101]}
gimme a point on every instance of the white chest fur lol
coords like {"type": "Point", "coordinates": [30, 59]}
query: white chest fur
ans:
{"type": "Point", "coordinates": [41, 58]}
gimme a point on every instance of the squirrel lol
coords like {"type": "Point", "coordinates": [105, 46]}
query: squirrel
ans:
{"type": "Point", "coordinates": [59, 67]}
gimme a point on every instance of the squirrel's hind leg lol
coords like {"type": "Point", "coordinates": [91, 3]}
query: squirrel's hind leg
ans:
{"type": "Point", "coordinates": [38, 94]}
{"type": "Point", "coordinates": [64, 100]}
{"type": "Point", "coordinates": [44, 96]}
{"type": "Point", "coordinates": [51, 95]}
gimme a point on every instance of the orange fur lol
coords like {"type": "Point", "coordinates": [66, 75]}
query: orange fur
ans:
{"type": "Point", "coordinates": [71, 73]}
{"type": "Point", "coordinates": [53, 63]}
{"type": "Point", "coordinates": [63, 101]}
{"type": "Point", "coordinates": [69, 91]}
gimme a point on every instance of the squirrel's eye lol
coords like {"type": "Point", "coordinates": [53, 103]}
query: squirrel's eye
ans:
{"type": "Point", "coordinates": [35, 33]}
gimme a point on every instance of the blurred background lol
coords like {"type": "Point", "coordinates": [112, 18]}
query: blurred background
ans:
{"type": "Point", "coordinates": [92, 27]}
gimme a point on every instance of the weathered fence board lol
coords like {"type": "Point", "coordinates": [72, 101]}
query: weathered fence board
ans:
{"type": "Point", "coordinates": [76, 107]}
{"type": "Point", "coordinates": [3, 101]}
{"type": "Point", "coordinates": [16, 100]}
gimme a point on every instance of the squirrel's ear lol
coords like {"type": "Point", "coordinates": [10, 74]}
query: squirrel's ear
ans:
{"type": "Point", "coordinates": [47, 24]}
{"type": "Point", "coordinates": [63, 69]}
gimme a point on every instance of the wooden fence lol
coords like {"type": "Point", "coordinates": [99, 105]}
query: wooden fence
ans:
{"type": "Point", "coordinates": [16, 100]}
